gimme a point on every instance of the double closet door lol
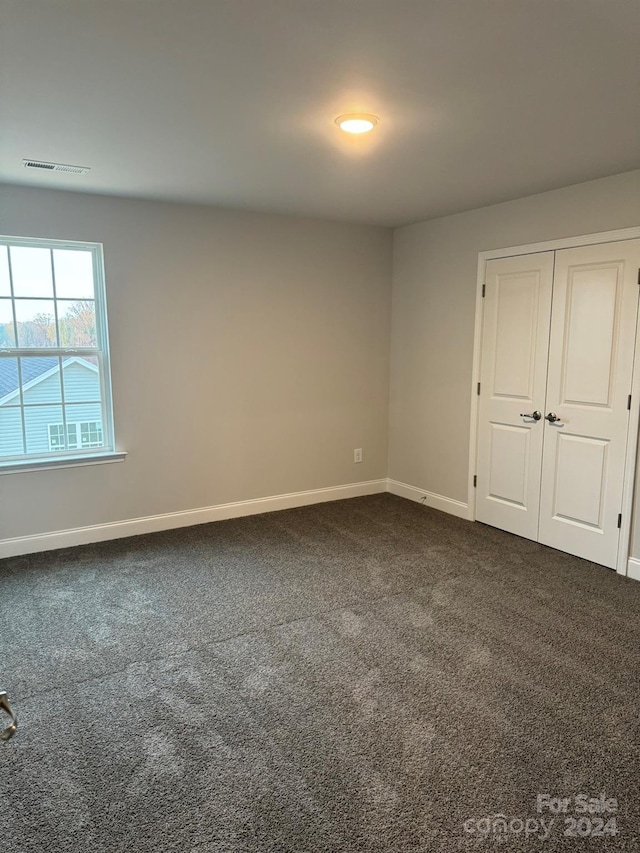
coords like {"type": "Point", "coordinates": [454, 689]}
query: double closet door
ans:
{"type": "Point", "coordinates": [558, 342]}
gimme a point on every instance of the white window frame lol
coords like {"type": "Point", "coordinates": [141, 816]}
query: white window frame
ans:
{"type": "Point", "coordinates": [59, 458]}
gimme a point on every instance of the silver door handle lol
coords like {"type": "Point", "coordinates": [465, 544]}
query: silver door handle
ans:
{"type": "Point", "coordinates": [553, 418]}
{"type": "Point", "coordinates": [9, 732]}
{"type": "Point", "coordinates": [535, 415]}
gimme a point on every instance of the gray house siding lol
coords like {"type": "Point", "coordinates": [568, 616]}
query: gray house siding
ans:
{"type": "Point", "coordinates": [11, 431]}
{"type": "Point", "coordinates": [81, 383]}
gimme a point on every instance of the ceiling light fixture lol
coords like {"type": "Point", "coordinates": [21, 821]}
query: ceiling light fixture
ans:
{"type": "Point", "coordinates": [357, 122]}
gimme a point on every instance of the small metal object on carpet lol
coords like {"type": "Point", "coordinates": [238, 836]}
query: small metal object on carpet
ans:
{"type": "Point", "coordinates": [9, 732]}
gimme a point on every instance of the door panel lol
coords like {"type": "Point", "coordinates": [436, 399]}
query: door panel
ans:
{"type": "Point", "coordinates": [515, 337]}
{"type": "Point", "coordinates": [508, 464]}
{"type": "Point", "coordinates": [516, 302]}
{"type": "Point", "coordinates": [580, 480]}
{"type": "Point", "coordinates": [595, 299]}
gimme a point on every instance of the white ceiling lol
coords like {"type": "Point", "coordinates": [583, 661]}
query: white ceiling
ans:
{"type": "Point", "coordinates": [232, 102]}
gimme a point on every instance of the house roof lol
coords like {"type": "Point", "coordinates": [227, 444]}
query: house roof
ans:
{"type": "Point", "coordinates": [34, 369]}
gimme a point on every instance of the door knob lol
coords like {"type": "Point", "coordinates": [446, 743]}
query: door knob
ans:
{"type": "Point", "coordinates": [552, 418]}
{"type": "Point", "coordinates": [535, 415]}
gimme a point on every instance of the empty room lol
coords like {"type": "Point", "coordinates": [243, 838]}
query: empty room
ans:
{"type": "Point", "coordinates": [319, 417]}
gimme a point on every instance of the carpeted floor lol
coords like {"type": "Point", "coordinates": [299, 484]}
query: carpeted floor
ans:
{"type": "Point", "coordinates": [367, 675]}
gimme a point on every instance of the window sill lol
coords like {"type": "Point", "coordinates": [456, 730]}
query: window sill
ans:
{"type": "Point", "coordinates": [62, 462]}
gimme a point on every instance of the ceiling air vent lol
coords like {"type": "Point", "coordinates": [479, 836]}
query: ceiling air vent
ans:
{"type": "Point", "coordinates": [55, 167]}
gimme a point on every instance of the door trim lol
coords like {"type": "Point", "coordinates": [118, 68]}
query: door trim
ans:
{"type": "Point", "coordinates": [634, 415]}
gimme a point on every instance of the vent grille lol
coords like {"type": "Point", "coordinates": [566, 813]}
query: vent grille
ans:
{"type": "Point", "coordinates": [56, 167]}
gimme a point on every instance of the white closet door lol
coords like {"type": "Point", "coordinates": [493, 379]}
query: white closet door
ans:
{"type": "Point", "coordinates": [515, 348]}
{"type": "Point", "coordinates": [595, 301]}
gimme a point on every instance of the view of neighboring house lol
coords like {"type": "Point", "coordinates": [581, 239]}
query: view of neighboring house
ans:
{"type": "Point", "coordinates": [34, 421]}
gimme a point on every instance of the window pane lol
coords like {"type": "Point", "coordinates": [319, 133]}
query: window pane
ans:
{"type": "Point", "coordinates": [77, 323]}
{"type": "Point", "coordinates": [37, 422]}
{"type": "Point", "coordinates": [7, 330]}
{"type": "Point", "coordinates": [31, 271]}
{"type": "Point", "coordinates": [10, 432]}
{"type": "Point", "coordinates": [9, 382]}
{"type": "Point", "coordinates": [5, 286]}
{"type": "Point", "coordinates": [74, 274]}
{"type": "Point", "coordinates": [81, 380]}
{"type": "Point", "coordinates": [36, 323]}
{"type": "Point", "coordinates": [40, 380]}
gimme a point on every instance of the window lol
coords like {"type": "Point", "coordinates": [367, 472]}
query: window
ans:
{"type": "Point", "coordinates": [57, 437]}
{"type": "Point", "coordinates": [55, 392]}
{"type": "Point", "coordinates": [89, 432]}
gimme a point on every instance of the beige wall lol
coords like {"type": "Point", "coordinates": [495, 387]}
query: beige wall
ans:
{"type": "Point", "coordinates": [250, 356]}
{"type": "Point", "coordinates": [434, 291]}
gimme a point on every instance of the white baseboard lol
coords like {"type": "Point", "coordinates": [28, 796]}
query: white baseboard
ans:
{"type": "Point", "coordinates": [633, 568]}
{"type": "Point", "coordinates": [453, 507]}
{"type": "Point", "coordinates": [170, 520]}
{"type": "Point", "coordinates": [203, 515]}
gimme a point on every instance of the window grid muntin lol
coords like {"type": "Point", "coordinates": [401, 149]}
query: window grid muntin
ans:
{"type": "Point", "coordinates": [100, 352]}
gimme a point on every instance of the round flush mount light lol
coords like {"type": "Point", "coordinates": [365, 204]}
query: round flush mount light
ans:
{"type": "Point", "coordinates": [357, 122]}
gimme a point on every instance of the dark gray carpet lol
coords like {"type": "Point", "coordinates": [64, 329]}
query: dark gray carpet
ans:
{"type": "Point", "coordinates": [359, 676]}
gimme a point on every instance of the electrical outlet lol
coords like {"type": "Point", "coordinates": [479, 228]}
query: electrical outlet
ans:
{"type": "Point", "coordinates": [357, 455]}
